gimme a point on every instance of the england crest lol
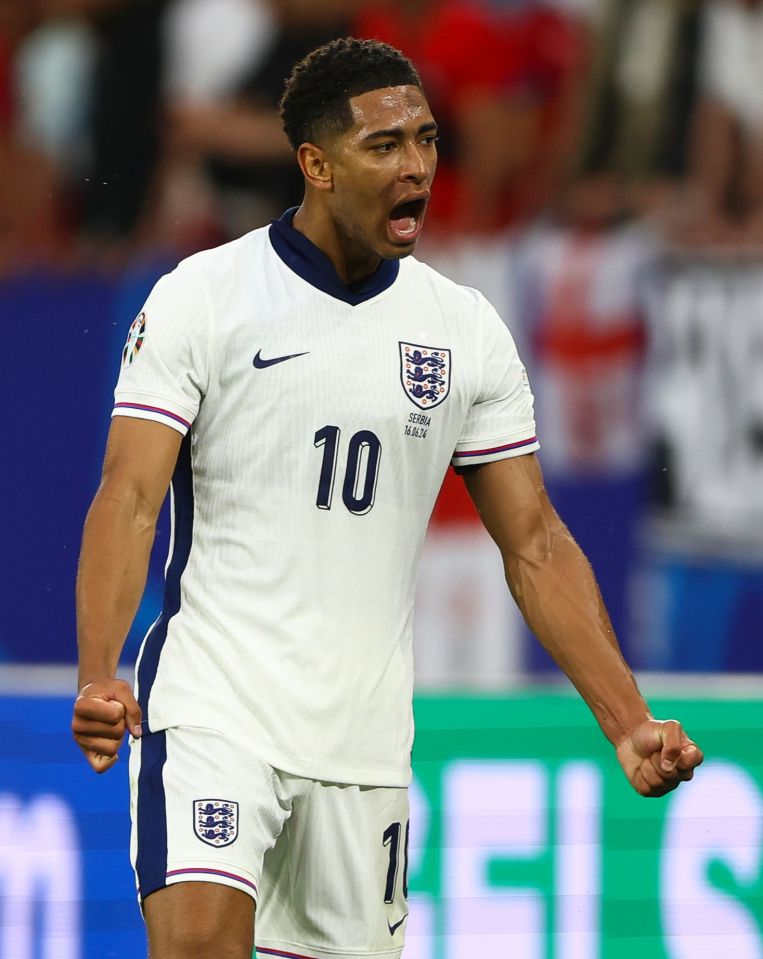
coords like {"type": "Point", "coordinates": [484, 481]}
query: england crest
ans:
{"type": "Point", "coordinates": [215, 821]}
{"type": "Point", "coordinates": [425, 374]}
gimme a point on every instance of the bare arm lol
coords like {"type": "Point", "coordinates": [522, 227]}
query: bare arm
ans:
{"type": "Point", "coordinates": [116, 545]}
{"type": "Point", "coordinates": [712, 154]}
{"type": "Point", "coordinates": [554, 587]}
{"type": "Point", "coordinates": [230, 131]}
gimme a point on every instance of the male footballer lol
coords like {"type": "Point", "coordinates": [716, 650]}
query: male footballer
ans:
{"type": "Point", "coordinates": [302, 391]}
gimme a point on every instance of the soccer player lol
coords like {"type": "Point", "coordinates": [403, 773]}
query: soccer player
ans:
{"type": "Point", "coordinates": [303, 390]}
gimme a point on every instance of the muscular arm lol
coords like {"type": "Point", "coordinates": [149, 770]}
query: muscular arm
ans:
{"type": "Point", "coordinates": [116, 545]}
{"type": "Point", "coordinates": [554, 587]}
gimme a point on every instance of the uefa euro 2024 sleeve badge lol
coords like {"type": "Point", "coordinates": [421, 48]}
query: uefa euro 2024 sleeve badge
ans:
{"type": "Point", "coordinates": [134, 339]}
{"type": "Point", "coordinates": [425, 374]}
{"type": "Point", "coordinates": [215, 821]}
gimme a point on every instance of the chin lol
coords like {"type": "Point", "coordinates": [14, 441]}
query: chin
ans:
{"type": "Point", "coordinates": [396, 251]}
{"type": "Point", "coordinates": [398, 254]}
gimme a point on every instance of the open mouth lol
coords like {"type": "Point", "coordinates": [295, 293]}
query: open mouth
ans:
{"type": "Point", "coordinates": [406, 219]}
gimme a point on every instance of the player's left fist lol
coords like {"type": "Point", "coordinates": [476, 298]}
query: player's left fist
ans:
{"type": "Point", "coordinates": [658, 756]}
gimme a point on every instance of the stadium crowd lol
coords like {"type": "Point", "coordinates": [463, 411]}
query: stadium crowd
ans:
{"type": "Point", "coordinates": [129, 124]}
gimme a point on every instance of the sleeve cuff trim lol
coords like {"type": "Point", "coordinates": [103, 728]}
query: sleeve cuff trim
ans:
{"type": "Point", "coordinates": [463, 456]}
{"type": "Point", "coordinates": [140, 407]}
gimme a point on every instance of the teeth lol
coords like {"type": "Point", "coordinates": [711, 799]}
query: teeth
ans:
{"type": "Point", "coordinates": [411, 226]}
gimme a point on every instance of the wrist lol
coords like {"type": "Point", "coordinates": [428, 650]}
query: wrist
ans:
{"type": "Point", "coordinates": [92, 677]}
{"type": "Point", "coordinates": [618, 727]}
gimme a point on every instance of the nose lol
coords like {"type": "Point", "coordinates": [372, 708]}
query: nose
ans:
{"type": "Point", "coordinates": [414, 165]}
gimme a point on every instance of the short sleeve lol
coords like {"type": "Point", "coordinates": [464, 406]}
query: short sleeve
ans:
{"type": "Point", "coordinates": [164, 372]}
{"type": "Point", "coordinates": [500, 422]}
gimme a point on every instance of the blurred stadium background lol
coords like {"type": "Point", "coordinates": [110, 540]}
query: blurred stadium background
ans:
{"type": "Point", "coordinates": [602, 182]}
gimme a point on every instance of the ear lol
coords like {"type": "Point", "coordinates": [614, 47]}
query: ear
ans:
{"type": "Point", "coordinates": [315, 166]}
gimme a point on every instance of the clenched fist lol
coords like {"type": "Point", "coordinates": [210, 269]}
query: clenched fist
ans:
{"type": "Point", "coordinates": [103, 712]}
{"type": "Point", "coordinates": [658, 756]}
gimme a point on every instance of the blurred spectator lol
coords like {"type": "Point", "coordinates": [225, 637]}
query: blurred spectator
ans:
{"type": "Point", "coordinates": [30, 224]}
{"type": "Point", "coordinates": [226, 142]}
{"type": "Point", "coordinates": [724, 205]}
{"type": "Point", "coordinates": [54, 79]}
{"type": "Point", "coordinates": [504, 87]}
{"type": "Point", "coordinates": [211, 46]}
{"type": "Point", "coordinates": [126, 118]}
{"type": "Point", "coordinates": [580, 277]}
{"type": "Point", "coordinates": [640, 94]}
{"type": "Point", "coordinates": [80, 130]}
{"type": "Point", "coordinates": [581, 274]}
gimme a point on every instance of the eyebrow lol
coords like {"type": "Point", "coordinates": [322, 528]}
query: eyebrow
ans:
{"type": "Point", "coordinates": [397, 131]}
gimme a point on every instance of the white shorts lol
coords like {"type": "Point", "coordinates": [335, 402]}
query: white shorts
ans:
{"type": "Point", "coordinates": [325, 862]}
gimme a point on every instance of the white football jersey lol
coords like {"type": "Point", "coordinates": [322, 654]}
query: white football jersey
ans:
{"type": "Point", "coordinates": [319, 422]}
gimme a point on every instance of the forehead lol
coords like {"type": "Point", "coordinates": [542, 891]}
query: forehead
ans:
{"type": "Point", "coordinates": [389, 108]}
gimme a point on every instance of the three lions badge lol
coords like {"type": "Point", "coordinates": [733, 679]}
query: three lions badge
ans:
{"type": "Point", "coordinates": [215, 821]}
{"type": "Point", "coordinates": [425, 374]}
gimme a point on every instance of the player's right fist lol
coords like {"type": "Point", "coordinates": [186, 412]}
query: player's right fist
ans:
{"type": "Point", "coordinates": [103, 712]}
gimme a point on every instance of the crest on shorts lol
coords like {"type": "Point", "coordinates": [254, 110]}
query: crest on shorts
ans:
{"type": "Point", "coordinates": [135, 338]}
{"type": "Point", "coordinates": [215, 821]}
{"type": "Point", "coordinates": [425, 374]}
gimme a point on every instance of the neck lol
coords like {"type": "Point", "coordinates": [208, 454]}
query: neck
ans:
{"type": "Point", "coordinates": [350, 263]}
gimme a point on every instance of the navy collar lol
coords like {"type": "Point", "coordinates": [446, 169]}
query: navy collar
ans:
{"type": "Point", "coordinates": [306, 260]}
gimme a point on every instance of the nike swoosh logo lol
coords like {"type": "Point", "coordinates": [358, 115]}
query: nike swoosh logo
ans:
{"type": "Point", "coordinates": [393, 929]}
{"type": "Point", "coordinates": [260, 364]}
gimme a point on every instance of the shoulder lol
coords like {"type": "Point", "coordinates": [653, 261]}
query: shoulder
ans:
{"type": "Point", "coordinates": [192, 292]}
{"type": "Point", "coordinates": [458, 296]}
{"type": "Point", "coordinates": [222, 264]}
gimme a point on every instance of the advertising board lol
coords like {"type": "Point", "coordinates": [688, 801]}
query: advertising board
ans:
{"type": "Point", "coordinates": [526, 840]}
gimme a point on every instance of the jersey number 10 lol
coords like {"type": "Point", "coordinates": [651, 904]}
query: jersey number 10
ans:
{"type": "Point", "coordinates": [361, 469]}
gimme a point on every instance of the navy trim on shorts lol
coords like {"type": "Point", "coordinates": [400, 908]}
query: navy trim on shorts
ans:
{"type": "Point", "coordinates": [182, 519]}
{"type": "Point", "coordinates": [151, 859]}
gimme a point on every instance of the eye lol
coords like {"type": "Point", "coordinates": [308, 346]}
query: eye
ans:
{"type": "Point", "coordinates": [430, 140]}
{"type": "Point", "coordinates": [387, 147]}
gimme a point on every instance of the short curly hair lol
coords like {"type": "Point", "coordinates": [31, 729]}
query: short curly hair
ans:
{"type": "Point", "coordinates": [316, 99]}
